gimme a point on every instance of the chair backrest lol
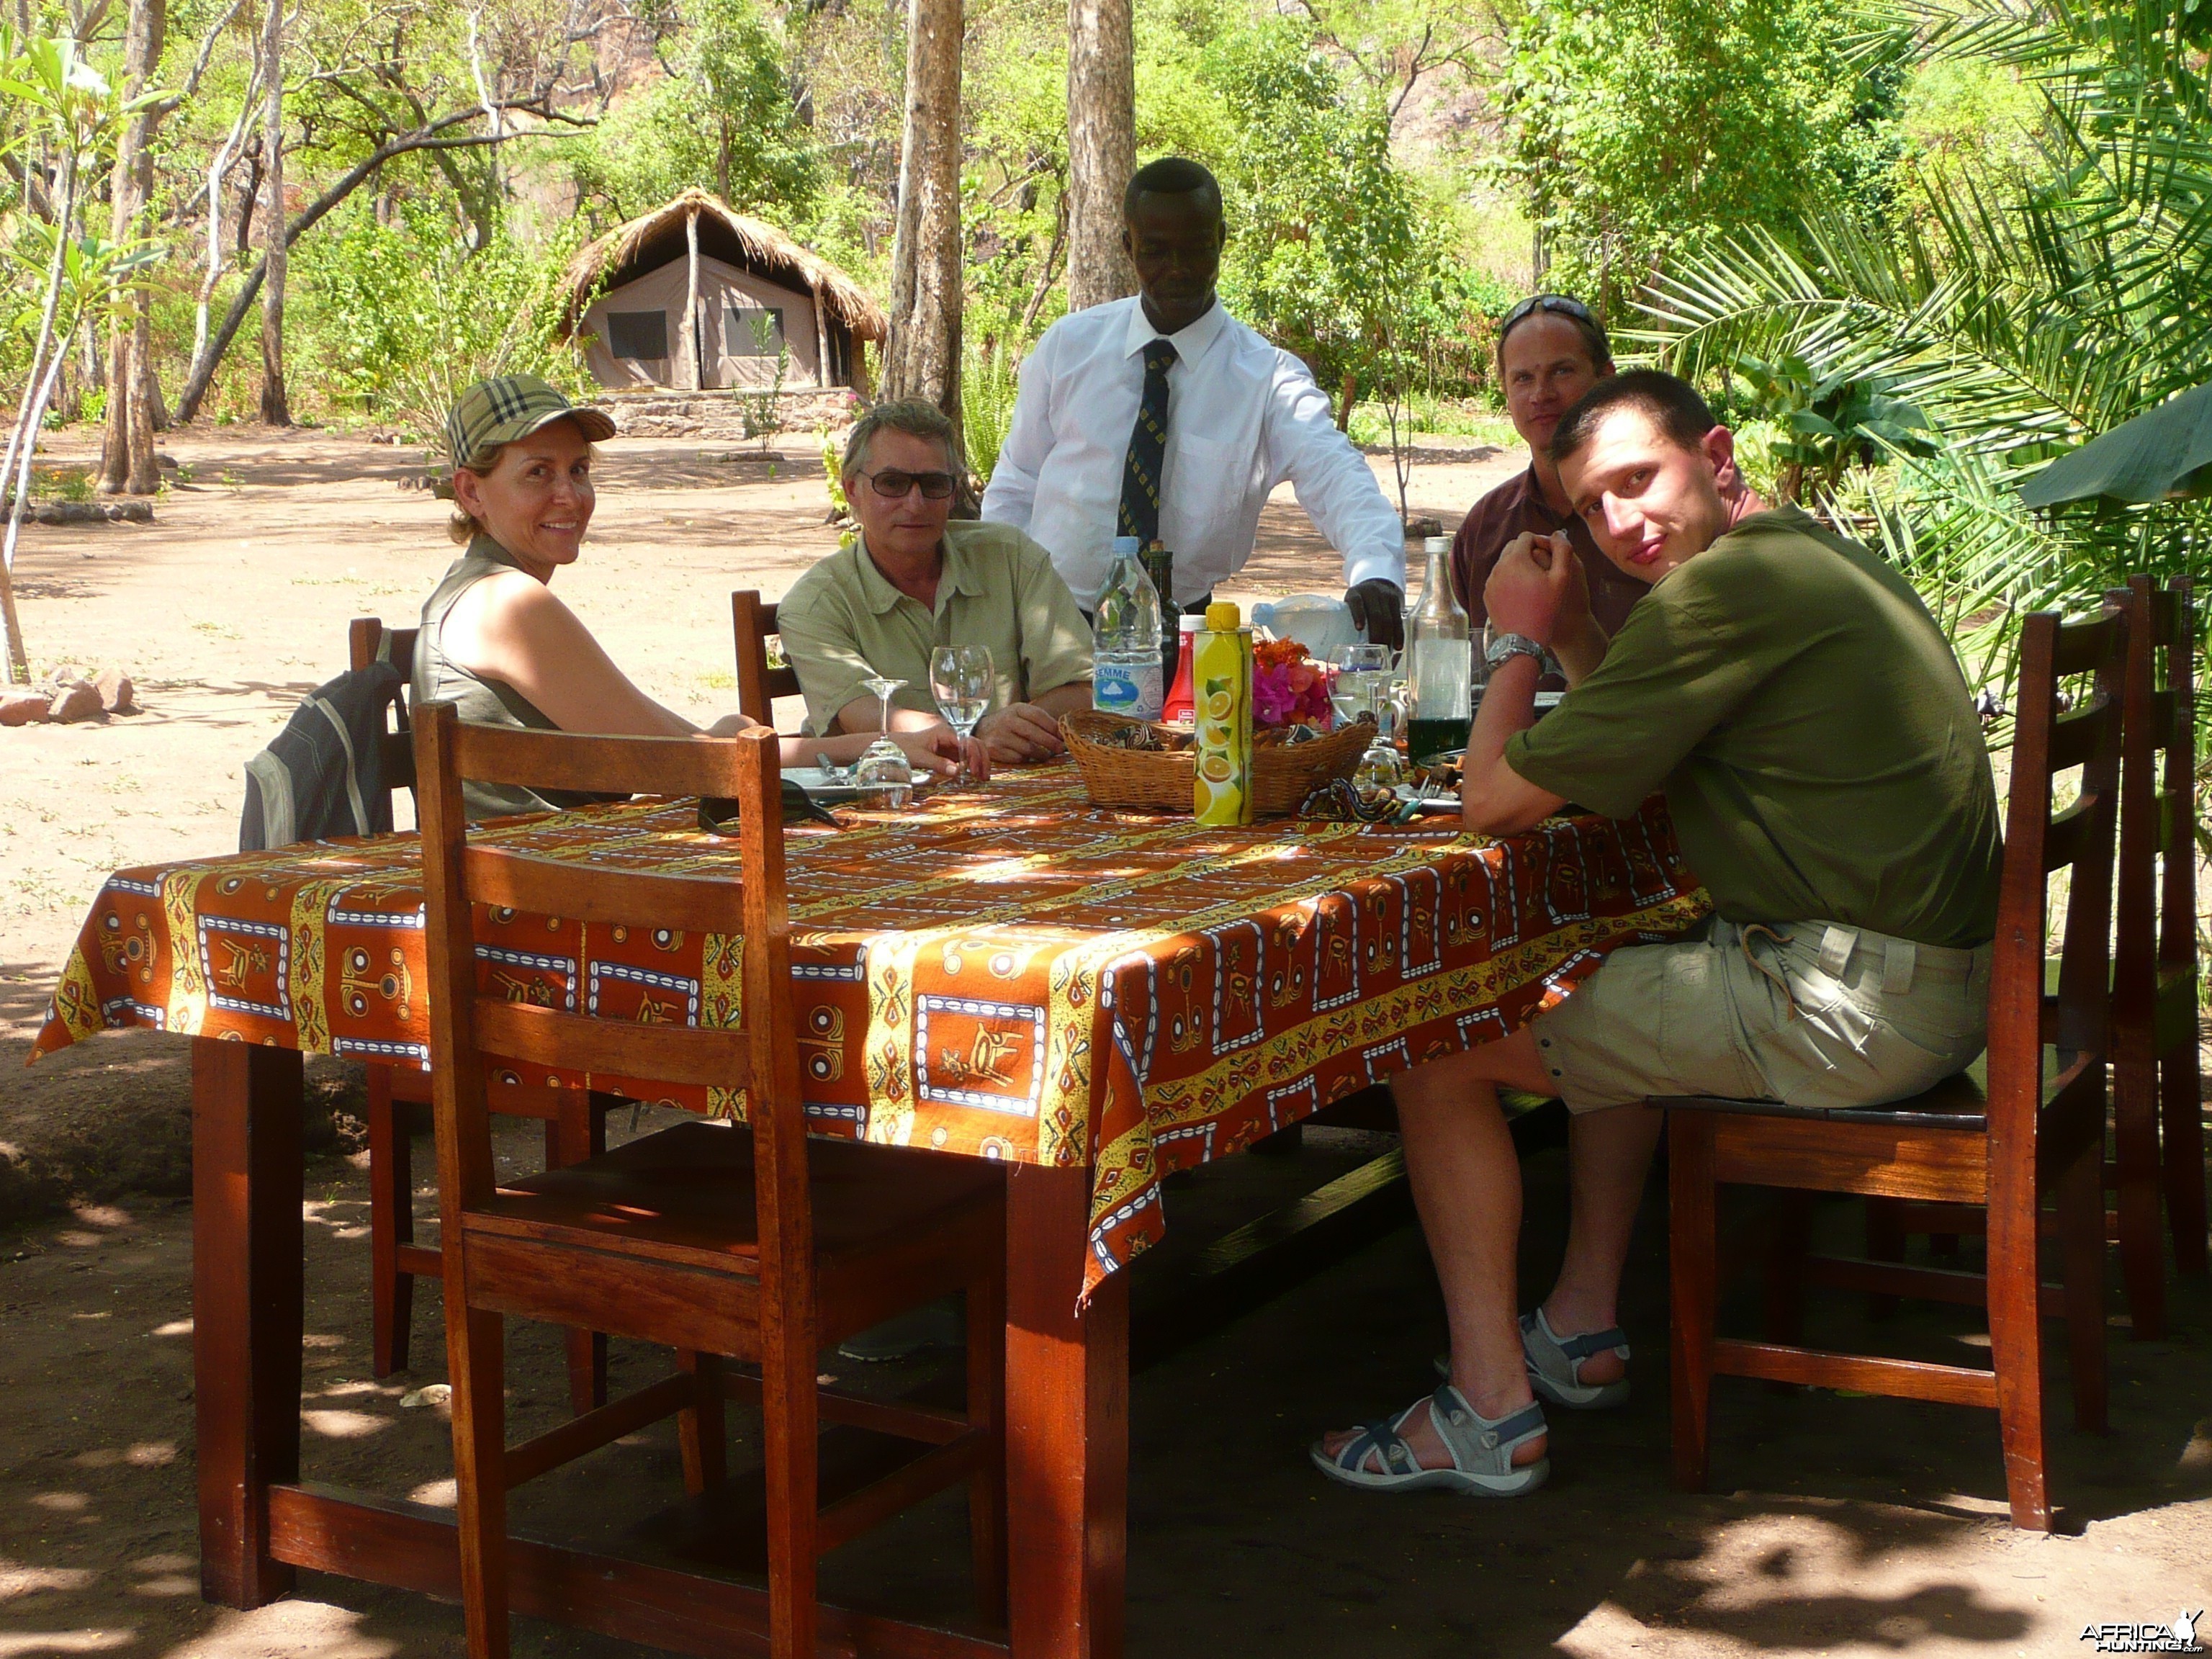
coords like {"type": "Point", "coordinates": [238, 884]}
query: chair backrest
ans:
{"type": "Point", "coordinates": [2156, 920]}
{"type": "Point", "coordinates": [758, 684]}
{"type": "Point", "coordinates": [760, 1057]}
{"type": "Point", "coordinates": [366, 637]}
{"type": "Point", "coordinates": [2056, 730]}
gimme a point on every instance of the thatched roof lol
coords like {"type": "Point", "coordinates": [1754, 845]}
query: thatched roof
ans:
{"type": "Point", "coordinates": [651, 240]}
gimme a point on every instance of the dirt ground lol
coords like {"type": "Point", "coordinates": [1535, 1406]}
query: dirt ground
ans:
{"type": "Point", "coordinates": [1839, 1525]}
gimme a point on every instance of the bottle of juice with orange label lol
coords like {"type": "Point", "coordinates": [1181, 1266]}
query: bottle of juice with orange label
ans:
{"type": "Point", "coordinates": [1222, 672]}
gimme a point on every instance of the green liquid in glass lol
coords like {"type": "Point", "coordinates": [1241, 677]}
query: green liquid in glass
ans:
{"type": "Point", "coordinates": [1426, 739]}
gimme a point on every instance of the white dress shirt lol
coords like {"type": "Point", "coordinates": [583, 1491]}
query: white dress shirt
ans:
{"type": "Point", "coordinates": [1242, 417]}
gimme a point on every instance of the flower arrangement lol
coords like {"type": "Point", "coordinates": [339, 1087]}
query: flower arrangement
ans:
{"type": "Point", "coordinates": [1288, 687]}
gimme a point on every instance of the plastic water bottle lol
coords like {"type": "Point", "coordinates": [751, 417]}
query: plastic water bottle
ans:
{"type": "Point", "coordinates": [1125, 639]}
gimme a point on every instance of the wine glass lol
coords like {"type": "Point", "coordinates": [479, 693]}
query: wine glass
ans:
{"type": "Point", "coordinates": [962, 678]}
{"type": "Point", "coordinates": [1362, 668]}
{"type": "Point", "coordinates": [883, 767]}
{"type": "Point", "coordinates": [1382, 767]}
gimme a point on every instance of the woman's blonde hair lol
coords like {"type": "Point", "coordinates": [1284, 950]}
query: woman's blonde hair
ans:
{"type": "Point", "coordinates": [462, 526]}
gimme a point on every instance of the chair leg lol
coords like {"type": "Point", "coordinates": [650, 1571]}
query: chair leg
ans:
{"type": "Point", "coordinates": [2017, 1350]}
{"type": "Point", "coordinates": [699, 1428]}
{"type": "Point", "coordinates": [580, 1132]}
{"type": "Point", "coordinates": [2182, 1112]}
{"type": "Point", "coordinates": [390, 1224]}
{"type": "Point", "coordinates": [1692, 1272]}
{"type": "Point", "coordinates": [1787, 1245]}
{"type": "Point", "coordinates": [474, 1345]}
{"type": "Point", "coordinates": [2082, 1248]}
{"type": "Point", "coordinates": [986, 1487]}
{"type": "Point", "coordinates": [790, 1442]}
{"type": "Point", "coordinates": [1885, 1242]}
{"type": "Point", "coordinates": [2143, 1252]}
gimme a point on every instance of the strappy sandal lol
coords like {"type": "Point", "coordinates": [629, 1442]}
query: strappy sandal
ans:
{"type": "Point", "coordinates": [1555, 1364]}
{"type": "Point", "coordinates": [1481, 1451]}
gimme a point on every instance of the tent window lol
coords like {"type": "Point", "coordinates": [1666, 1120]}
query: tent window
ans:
{"type": "Point", "coordinates": [637, 333]}
{"type": "Point", "coordinates": [754, 332]}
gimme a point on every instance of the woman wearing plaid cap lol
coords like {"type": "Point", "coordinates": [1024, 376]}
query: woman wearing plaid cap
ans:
{"type": "Point", "coordinates": [495, 641]}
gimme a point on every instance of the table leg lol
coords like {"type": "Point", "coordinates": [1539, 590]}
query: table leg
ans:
{"type": "Point", "coordinates": [247, 1313]}
{"type": "Point", "coordinates": [1067, 1426]}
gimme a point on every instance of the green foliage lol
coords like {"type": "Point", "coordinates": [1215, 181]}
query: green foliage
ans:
{"type": "Point", "coordinates": [1812, 426]}
{"type": "Point", "coordinates": [989, 382]}
{"type": "Point", "coordinates": [395, 321]}
{"type": "Point", "coordinates": [1640, 127]}
{"type": "Point", "coordinates": [721, 118]}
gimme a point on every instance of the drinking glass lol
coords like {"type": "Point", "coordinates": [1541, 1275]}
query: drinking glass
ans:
{"type": "Point", "coordinates": [883, 767]}
{"type": "Point", "coordinates": [1382, 767]}
{"type": "Point", "coordinates": [1362, 669]}
{"type": "Point", "coordinates": [962, 678]}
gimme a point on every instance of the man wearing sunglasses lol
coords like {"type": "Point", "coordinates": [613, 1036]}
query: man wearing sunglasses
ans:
{"type": "Point", "coordinates": [913, 580]}
{"type": "Point", "coordinates": [1164, 418]}
{"type": "Point", "coordinates": [1551, 350]}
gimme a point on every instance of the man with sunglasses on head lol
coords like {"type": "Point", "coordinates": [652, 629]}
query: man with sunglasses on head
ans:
{"type": "Point", "coordinates": [1162, 418]}
{"type": "Point", "coordinates": [1551, 350]}
{"type": "Point", "coordinates": [912, 581]}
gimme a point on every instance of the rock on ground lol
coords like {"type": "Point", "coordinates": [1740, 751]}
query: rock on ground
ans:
{"type": "Point", "coordinates": [75, 700]}
{"type": "Point", "coordinates": [23, 708]}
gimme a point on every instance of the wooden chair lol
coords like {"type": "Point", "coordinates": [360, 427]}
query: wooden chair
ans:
{"type": "Point", "coordinates": [2155, 1087]}
{"type": "Point", "coordinates": [399, 1100]}
{"type": "Point", "coordinates": [2027, 1122]}
{"type": "Point", "coordinates": [717, 1240]}
{"type": "Point", "coordinates": [758, 684]}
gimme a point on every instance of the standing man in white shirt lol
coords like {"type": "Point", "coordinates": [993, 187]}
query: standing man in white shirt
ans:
{"type": "Point", "coordinates": [1164, 418]}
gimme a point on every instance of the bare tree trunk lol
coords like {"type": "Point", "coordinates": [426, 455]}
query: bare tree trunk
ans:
{"type": "Point", "coordinates": [275, 411]}
{"type": "Point", "coordinates": [687, 337]}
{"type": "Point", "coordinates": [23, 439]}
{"type": "Point", "coordinates": [1102, 148]}
{"type": "Point", "coordinates": [922, 357]}
{"type": "Point", "coordinates": [127, 459]}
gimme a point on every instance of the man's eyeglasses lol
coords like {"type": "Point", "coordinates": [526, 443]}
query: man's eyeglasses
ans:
{"type": "Point", "coordinates": [1565, 304]}
{"type": "Point", "coordinates": [894, 484]}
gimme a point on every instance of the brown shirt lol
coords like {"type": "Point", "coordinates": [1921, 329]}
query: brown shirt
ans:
{"type": "Point", "coordinates": [1515, 507]}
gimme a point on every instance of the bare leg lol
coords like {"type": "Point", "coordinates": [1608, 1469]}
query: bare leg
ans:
{"type": "Point", "coordinates": [1466, 1186]}
{"type": "Point", "coordinates": [1608, 1156]}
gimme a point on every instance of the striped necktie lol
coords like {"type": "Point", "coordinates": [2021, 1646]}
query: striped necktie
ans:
{"type": "Point", "coordinates": [1148, 449]}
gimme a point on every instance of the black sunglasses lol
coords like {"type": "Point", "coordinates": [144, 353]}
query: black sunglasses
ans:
{"type": "Point", "coordinates": [1565, 304]}
{"type": "Point", "coordinates": [935, 486]}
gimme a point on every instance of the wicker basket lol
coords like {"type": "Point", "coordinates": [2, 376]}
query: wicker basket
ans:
{"type": "Point", "coordinates": [1283, 774]}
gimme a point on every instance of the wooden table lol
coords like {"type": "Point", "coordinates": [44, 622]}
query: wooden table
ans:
{"type": "Point", "coordinates": [1139, 995]}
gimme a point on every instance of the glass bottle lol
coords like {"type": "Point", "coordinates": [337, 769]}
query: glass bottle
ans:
{"type": "Point", "coordinates": [1439, 661]}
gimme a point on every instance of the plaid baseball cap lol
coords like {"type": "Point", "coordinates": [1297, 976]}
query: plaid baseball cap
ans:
{"type": "Point", "coordinates": [513, 406]}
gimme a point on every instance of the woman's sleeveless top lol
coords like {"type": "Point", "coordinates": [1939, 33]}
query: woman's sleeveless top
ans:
{"type": "Point", "coordinates": [479, 701]}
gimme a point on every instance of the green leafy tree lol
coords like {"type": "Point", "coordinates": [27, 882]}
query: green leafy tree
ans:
{"type": "Point", "coordinates": [1640, 127]}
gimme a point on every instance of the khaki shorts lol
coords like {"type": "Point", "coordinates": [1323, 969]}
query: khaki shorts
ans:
{"type": "Point", "coordinates": [1810, 1012]}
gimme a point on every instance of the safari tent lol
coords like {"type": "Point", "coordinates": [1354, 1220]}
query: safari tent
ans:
{"type": "Point", "coordinates": [695, 295]}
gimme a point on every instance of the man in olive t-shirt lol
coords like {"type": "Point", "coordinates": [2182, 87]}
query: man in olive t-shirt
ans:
{"type": "Point", "coordinates": [1823, 763]}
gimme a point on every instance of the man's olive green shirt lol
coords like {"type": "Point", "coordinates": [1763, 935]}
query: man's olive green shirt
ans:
{"type": "Point", "coordinates": [1820, 755]}
{"type": "Point", "coordinates": [843, 622]}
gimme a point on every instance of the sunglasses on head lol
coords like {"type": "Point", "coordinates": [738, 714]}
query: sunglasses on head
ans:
{"type": "Point", "coordinates": [1563, 304]}
{"type": "Point", "coordinates": [894, 484]}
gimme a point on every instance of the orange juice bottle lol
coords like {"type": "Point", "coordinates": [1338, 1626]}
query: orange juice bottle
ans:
{"type": "Point", "coordinates": [1222, 676]}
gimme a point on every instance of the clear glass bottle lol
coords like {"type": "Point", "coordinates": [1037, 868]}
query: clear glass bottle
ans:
{"type": "Point", "coordinates": [1125, 639]}
{"type": "Point", "coordinates": [1439, 661]}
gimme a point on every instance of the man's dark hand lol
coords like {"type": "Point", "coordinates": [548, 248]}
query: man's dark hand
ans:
{"type": "Point", "coordinates": [1378, 610]}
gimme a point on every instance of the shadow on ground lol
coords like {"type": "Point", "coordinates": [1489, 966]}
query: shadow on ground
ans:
{"type": "Point", "coordinates": [1839, 1525]}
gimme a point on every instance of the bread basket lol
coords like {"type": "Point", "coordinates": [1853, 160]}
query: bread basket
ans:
{"type": "Point", "coordinates": [1283, 774]}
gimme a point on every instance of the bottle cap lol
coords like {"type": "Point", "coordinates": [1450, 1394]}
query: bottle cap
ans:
{"type": "Point", "coordinates": [1128, 545]}
{"type": "Point", "coordinates": [1436, 544]}
{"type": "Point", "coordinates": [1190, 622]}
{"type": "Point", "coordinates": [1222, 615]}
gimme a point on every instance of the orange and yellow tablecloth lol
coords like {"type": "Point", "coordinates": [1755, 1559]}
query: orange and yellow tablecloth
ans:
{"type": "Point", "coordinates": [1010, 972]}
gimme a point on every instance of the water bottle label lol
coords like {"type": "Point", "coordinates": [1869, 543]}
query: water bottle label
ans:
{"type": "Point", "coordinates": [1128, 688]}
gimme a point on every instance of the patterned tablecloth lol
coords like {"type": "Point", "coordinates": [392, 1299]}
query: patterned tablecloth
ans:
{"type": "Point", "coordinates": [1011, 972]}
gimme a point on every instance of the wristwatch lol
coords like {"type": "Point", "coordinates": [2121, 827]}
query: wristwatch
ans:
{"type": "Point", "coordinates": [1506, 646]}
